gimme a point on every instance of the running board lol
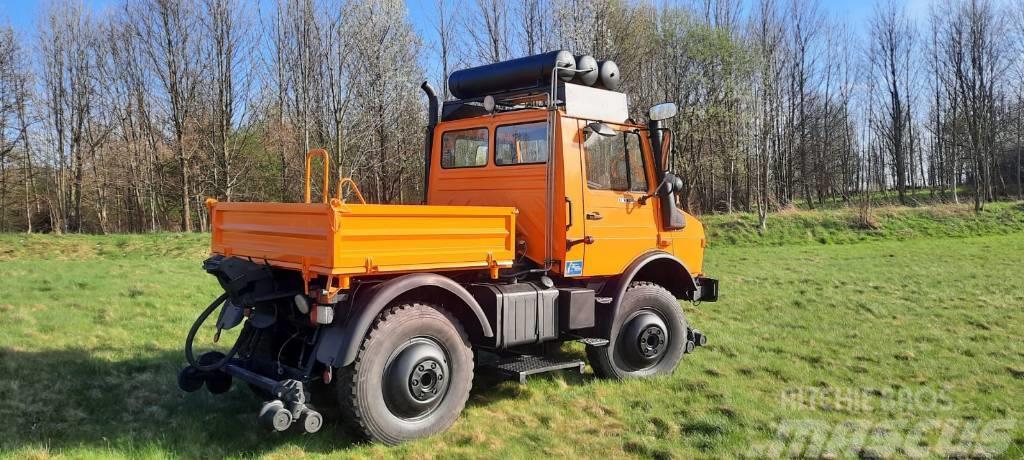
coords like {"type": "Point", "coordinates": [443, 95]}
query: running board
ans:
{"type": "Point", "coordinates": [520, 367]}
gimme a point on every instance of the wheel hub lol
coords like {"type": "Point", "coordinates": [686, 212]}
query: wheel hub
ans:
{"type": "Point", "coordinates": [652, 342]}
{"type": "Point", "coordinates": [416, 378]}
{"type": "Point", "coordinates": [643, 340]}
{"type": "Point", "coordinates": [426, 379]}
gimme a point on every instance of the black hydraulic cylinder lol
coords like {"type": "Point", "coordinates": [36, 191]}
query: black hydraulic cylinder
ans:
{"type": "Point", "coordinates": [525, 72]}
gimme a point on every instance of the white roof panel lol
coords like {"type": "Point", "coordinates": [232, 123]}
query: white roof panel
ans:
{"type": "Point", "coordinates": [595, 104]}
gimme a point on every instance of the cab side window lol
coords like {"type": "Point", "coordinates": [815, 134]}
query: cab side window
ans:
{"type": "Point", "coordinates": [465, 148]}
{"type": "Point", "coordinates": [521, 144]}
{"type": "Point", "coordinates": [614, 162]}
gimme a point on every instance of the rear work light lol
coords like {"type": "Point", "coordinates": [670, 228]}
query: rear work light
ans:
{"type": "Point", "coordinates": [322, 314]}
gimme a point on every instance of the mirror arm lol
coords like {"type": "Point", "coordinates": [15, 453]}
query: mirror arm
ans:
{"type": "Point", "coordinates": [643, 200]}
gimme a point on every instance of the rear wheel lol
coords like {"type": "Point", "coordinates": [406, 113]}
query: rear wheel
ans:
{"type": "Point", "coordinates": [648, 335]}
{"type": "Point", "coordinates": [412, 376]}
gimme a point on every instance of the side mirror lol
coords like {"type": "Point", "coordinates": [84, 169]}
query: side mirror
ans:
{"type": "Point", "coordinates": [673, 183]}
{"type": "Point", "coordinates": [669, 184]}
{"type": "Point", "coordinates": [666, 185]}
{"type": "Point", "coordinates": [677, 183]}
{"type": "Point", "coordinates": [663, 111]}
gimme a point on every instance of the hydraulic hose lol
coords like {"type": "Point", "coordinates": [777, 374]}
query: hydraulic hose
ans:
{"type": "Point", "coordinates": [192, 335]}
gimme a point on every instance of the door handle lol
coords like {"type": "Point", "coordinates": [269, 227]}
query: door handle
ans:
{"type": "Point", "coordinates": [569, 243]}
{"type": "Point", "coordinates": [594, 216]}
{"type": "Point", "coordinates": [568, 203]}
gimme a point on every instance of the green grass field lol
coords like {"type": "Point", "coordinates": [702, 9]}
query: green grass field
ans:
{"type": "Point", "coordinates": [917, 323]}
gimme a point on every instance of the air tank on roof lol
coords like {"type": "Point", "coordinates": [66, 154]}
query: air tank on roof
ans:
{"type": "Point", "coordinates": [533, 72]}
{"type": "Point", "coordinates": [525, 72]}
{"type": "Point", "coordinates": [586, 78]}
{"type": "Point", "coordinates": [608, 76]}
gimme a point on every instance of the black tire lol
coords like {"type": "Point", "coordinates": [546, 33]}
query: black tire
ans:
{"type": "Point", "coordinates": [217, 382]}
{"type": "Point", "coordinates": [648, 335]}
{"type": "Point", "coordinates": [190, 379]}
{"type": "Point", "coordinates": [382, 394]}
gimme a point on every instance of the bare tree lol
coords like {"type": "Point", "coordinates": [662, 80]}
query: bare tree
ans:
{"type": "Point", "coordinates": [768, 36]}
{"type": "Point", "coordinates": [170, 28]}
{"type": "Point", "coordinates": [71, 61]}
{"type": "Point", "coordinates": [490, 40]}
{"type": "Point", "coordinates": [447, 39]}
{"type": "Point", "coordinates": [137, 133]}
{"type": "Point", "coordinates": [892, 36]}
{"type": "Point", "coordinates": [13, 99]}
{"type": "Point", "coordinates": [337, 58]}
{"type": "Point", "coordinates": [535, 26]}
{"type": "Point", "coordinates": [805, 27]}
{"type": "Point", "coordinates": [24, 98]}
{"type": "Point", "coordinates": [974, 54]}
{"type": "Point", "coordinates": [229, 41]}
{"type": "Point", "coordinates": [387, 114]}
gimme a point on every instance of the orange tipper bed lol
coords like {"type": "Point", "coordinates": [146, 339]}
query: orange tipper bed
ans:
{"type": "Point", "coordinates": [346, 240]}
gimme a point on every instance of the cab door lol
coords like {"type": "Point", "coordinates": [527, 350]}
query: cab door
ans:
{"type": "Point", "coordinates": [615, 179]}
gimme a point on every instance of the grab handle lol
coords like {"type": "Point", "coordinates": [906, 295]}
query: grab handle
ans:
{"type": "Point", "coordinates": [568, 202]}
{"type": "Point", "coordinates": [327, 173]}
{"type": "Point", "coordinates": [355, 188]}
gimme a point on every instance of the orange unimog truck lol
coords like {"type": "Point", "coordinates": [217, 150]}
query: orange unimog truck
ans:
{"type": "Point", "coordinates": [549, 216]}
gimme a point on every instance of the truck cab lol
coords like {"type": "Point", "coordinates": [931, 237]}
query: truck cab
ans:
{"type": "Point", "coordinates": [549, 216]}
{"type": "Point", "coordinates": [600, 183]}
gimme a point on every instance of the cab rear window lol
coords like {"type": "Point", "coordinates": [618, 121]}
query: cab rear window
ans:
{"type": "Point", "coordinates": [521, 144]}
{"type": "Point", "coordinates": [465, 148]}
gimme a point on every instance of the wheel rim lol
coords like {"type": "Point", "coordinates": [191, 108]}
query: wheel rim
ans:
{"type": "Point", "coordinates": [642, 340]}
{"type": "Point", "coordinates": [416, 378]}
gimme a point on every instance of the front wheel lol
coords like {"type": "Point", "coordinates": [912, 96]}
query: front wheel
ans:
{"type": "Point", "coordinates": [648, 335]}
{"type": "Point", "coordinates": [412, 376]}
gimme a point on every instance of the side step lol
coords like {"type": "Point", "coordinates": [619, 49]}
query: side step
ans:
{"type": "Point", "coordinates": [523, 366]}
{"type": "Point", "coordinates": [593, 342]}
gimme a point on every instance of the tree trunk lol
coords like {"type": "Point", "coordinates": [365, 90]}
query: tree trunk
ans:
{"type": "Point", "coordinates": [186, 210]}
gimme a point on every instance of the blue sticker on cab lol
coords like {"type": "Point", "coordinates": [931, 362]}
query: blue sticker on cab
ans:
{"type": "Point", "coordinates": [573, 268]}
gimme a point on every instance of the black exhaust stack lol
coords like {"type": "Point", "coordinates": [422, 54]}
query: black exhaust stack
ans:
{"type": "Point", "coordinates": [433, 105]}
